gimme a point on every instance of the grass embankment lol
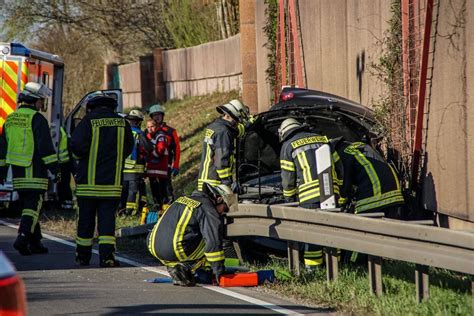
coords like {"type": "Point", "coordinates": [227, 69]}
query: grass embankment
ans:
{"type": "Point", "coordinates": [450, 294]}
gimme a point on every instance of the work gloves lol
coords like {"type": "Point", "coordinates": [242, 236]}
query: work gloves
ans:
{"type": "Point", "coordinates": [174, 172]}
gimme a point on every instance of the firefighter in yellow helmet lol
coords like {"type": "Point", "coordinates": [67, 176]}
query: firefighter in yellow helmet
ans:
{"type": "Point", "coordinates": [27, 147]}
{"type": "Point", "coordinates": [190, 234]}
{"type": "Point", "coordinates": [218, 147]}
{"type": "Point", "coordinates": [100, 144]}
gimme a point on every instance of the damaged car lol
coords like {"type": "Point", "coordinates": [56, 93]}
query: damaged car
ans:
{"type": "Point", "coordinates": [258, 150]}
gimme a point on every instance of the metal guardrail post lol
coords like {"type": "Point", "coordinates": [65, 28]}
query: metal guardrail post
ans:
{"type": "Point", "coordinates": [294, 256]}
{"type": "Point", "coordinates": [331, 264]}
{"type": "Point", "coordinates": [422, 283]}
{"type": "Point", "coordinates": [375, 274]}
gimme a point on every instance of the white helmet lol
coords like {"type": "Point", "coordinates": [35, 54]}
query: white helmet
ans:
{"type": "Point", "coordinates": [135, 115]}
{"type": "Point", "coordinates": [36, 90]}
{"type": "Point", "coordinates": [286, 127]}
{"type": "Point", "coordinates": [156, 108]}
{"type": "Point", "coordinates": [221, 190]}
{"type": "Point", "coordinates": [235, 109]}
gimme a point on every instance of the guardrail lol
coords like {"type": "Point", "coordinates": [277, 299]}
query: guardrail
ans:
{"type": "Point", "coordinates": [379, 238]}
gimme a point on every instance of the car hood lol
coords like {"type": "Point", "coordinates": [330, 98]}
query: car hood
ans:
{"type": "Point", "coordinates": [258, 154]}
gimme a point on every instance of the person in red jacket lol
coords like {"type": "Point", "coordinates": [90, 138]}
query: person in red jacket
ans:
{"type": "Point", "coordinates": [157, 113]}
{"type": "Point", "coordinates": [158, 164]}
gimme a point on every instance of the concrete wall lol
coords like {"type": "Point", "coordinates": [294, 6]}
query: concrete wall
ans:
{"type": "Point", "coordinates": [450, 136]}
{"type": "Point", "coordinates": [130, 82]}
{"type": "Point", "coordinates": [340, 39]}
{"type": "Point", "coordinates": [203, 69]}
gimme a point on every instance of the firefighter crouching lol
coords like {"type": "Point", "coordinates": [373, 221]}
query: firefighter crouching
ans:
{"type": "Point", "coordinates": [376, 182]}
{"type": "Point", "coordinates": [218, 146]}
{"type": "Point", "coordinates": [157, 113]}
{"type": "Point", "coordinates": [134, 169]}
{"type": "Point", "coordinates": [190, 234]}
{"type": "Point", "coordinates": [65, 169]}
{"type": "Point", "coordinates": [298, 165]}
{"type": "Point", "coordinates": [100, 143]}
{"type": "Point", "coordinates": [26, 146]}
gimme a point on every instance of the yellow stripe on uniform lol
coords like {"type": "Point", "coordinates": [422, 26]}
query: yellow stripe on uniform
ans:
{"type": "Point", "coordinates": [179, 234]}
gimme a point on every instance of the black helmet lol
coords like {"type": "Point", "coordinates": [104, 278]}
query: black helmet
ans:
{"type": "Point", "coordinates": [101, 100]}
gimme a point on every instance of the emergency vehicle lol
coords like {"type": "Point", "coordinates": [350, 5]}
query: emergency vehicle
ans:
{"type": "Point", "coordinates": [19, 65]}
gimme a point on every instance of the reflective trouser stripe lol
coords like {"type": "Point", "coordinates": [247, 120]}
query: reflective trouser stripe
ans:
{"type": "Point", "coordinates": [109, 240]}
{"type": "Point", "coordinates": [215, 256]}
{"type": "Point", "coordinates": [86, 242]}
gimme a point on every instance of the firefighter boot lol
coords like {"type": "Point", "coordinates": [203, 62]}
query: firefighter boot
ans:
{"type": "Point", "coordinates": [21, 244]}
{"type": "Point", "coordinates": [83, 258]}
{"type": "Point", "coordinates": [109, 262]}
{"type": "Point", "coordinates": [182, 275]}
{"type": "Point", "coordinates": [36, 247]}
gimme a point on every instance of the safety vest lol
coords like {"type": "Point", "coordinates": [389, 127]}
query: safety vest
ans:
{"type": "Point", "coordinates": [21, 142]}
{"type": "Point", "coordinates": [63, 154]}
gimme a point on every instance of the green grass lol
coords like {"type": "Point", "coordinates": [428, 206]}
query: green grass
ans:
{"type": "Point", "coordinates": [450, 293]}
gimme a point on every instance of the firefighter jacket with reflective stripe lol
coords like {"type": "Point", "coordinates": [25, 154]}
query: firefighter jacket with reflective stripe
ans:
{"type": "Point", "coordinates": [100, 144]}
{"type": "Point", "coordinates": [158, 160]}
{"type": "Point", "coordinates": [217, 158]}
{"type": "Point", "coordinates": [298, 165]}
{"type": "Point", "coordinates": [376, 181]}
{"type": "Point", "coordinates": [63, 152]}
{"type": "Point", "coordinates": [190, 230]}
{"type": "Point", "coordinates": [27, 146]}
{"type": "Point", "coordinates": [135, 162]}
{"type": "Point", "coordinates": [174, 147]}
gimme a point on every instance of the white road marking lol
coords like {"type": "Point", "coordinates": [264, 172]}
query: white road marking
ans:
{"type": "Point", "coordinates": [161, 270]}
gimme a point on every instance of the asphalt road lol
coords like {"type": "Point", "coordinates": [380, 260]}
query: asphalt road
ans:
{"type": "Point", "coordinates": [56, 286]}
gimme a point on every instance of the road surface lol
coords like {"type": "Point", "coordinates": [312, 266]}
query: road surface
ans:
{"type": "Point", "coordinates": [56, 286]}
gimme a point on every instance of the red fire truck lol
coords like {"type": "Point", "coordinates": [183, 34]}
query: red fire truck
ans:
{"type": "Point", "coordinates": [19, 65]}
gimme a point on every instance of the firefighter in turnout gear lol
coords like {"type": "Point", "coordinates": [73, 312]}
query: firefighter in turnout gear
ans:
{"type": "Point", "coordinates": [376, 182]}
{"type": "Point", "coordinates": [217, 158]}
{"type": "Point", "coordinates": [100, 144]}
{"type": "Point", "coordinates": [190, 234]}
{"type": "Point", "coordinates": [65, 169]}
{"type": "Point", "coordinates": [157, 113]}
{"type": "Point", "coordinates": [134, 170]}
{"type": "Point", "coordinates": [27, 147]}
{"type": "Point", "coordinates": [298, 165]}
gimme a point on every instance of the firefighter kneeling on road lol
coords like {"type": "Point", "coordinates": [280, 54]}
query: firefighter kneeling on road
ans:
{"type": "Point", "coordinates": [191, 232]}
{"type": "Point", "coordinates": [100, 143]}
{"type": "Point", "coordinates": [27, 146]}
